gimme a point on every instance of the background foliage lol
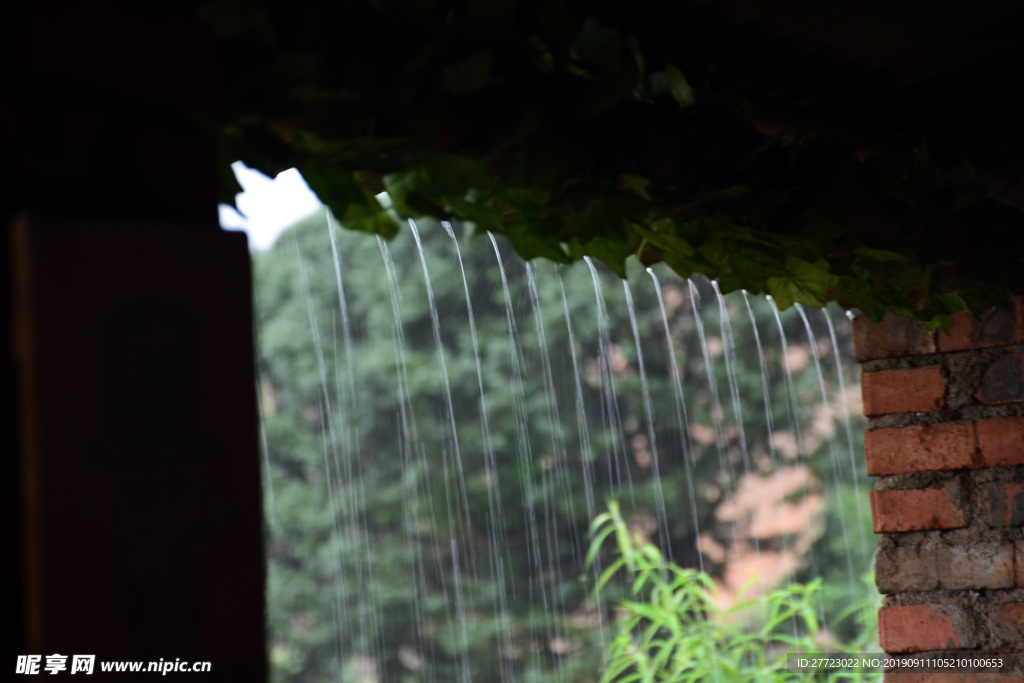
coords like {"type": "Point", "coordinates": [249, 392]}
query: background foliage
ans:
{"type": "Point", "coordinates": [413, 542]}
{"type": "Point", "coordinates": [579, 128]}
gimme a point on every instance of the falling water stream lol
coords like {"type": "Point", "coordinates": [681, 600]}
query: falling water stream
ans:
{"type": "Point", "coordinates": [433, 463]}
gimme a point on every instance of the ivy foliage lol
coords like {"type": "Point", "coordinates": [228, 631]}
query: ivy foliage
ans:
{"type": "Point", "coordinates": [580, 129]}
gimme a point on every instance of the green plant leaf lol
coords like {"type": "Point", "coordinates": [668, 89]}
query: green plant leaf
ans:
{"type": "Point", "coordinates": [666, 241]}
{"type": "Point", "coordinates": [595, 545]}
{"type": "Point", "coordinates": [881, 254]}
{"type": "Point", "coordinates": [369, 218]}
{"type": "Point", "coordinates": [807, 283]}
{"type": "Point", "coordinates": [637, 184]}
{"type": "Point", "coordinates": [678, 86]}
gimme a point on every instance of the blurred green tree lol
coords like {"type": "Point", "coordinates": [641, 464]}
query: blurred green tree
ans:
{"type": "Point", "coordinates": [421, 529]}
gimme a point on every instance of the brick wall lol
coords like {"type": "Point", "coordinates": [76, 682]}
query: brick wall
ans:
{"type": "Point", "coordinates": [946, 440]}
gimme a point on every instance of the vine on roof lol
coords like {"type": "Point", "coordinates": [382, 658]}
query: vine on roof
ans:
{"type": "Point", "coordinates": [550, 125]}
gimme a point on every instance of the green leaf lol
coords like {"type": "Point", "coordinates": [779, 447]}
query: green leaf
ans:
{"type": "Point", "coordinates": [652, 553]}
{"type": "Point", "coordinates": [678, 86]}
{"type": "Point", "coordinates": [399, 187]}
{"type": "Point", "coordinates": [595, 545]}
{"type": "Point", "coordinates": [608, 573]}
{"type": "Point", "coordinates": [685, 267]}
{"type": "Point", "coordinates": [856, 292]}
{"type": "Point", "coordinates": [666, 242]}
{"type": "Point", "coordinates": [529, 242]}
{"type": "Point", "coordinates": [881, 254]}
{"type": "Point", "coordinates": [484, 217]}
{"type": "Point", "coordinates": [455, 175]}
{"type": "Point", "coordinates": [333, 185]}
{"type": "Point", "coordinates": [807, 283]}
{"type": "Point", "coordinates": [952, 301]}
{"type": "Point", "coordinates": [752, 266]}
{"type": "Point", "coordinates": [717, 250]}
{"type": "Point", "coordinates": [637, 184]}
{"type": "Point", "coordinates": [597, 221]}
{"type": "Point", "coordinates": [611, 253]}
{"type": "Point", "coordinates": [372, 218]}
{"type": "Point", "coordinates": [940, 321]}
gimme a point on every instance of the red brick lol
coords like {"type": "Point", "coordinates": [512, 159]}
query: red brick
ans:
{"type": "Point", "coordinates": [961, 333]}
{"type": "Point", "coordinates": [948, 677]}
{"type": "Point", "coordinates": [1003, 382]}
{"type": "Point", "coordinates": [903, 391]}
{"type": "Point", "coordinates": [1018, 562]}
{"type": "Point", "coordinates": [913, 510]}
{"type": "Point", "coordinates": [1001, 441]}
{"type": "Point", "coordinates": [1002, 503]}
{"type": "Point", "coordinates": [1007, 624]}
{"type": "Point", "coordinates": [893, 336]}
{"type": "Point", "coordinates": [921, 448]}
{"type": "Point", "coordinates": [979, 565]}
{"type": "Point", "coordinates": [919, 628]}
{"type": "Point", "coordinates": [1017, 304]}
{"type": "Point", "coordinates": [996, 328]}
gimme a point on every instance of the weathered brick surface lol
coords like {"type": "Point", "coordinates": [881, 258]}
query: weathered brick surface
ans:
{"type": "Point", "coordinates": [914, 509]}
{"type": "Point", "coordinates": [891, 337]}
{"type": "Point", "coordinates": [961, 333]}
{"type": "Point", "coordinates": [1017, 304]}
{"type": "Point", "coordinates": [949, 677]}
{"type": "Point", "coordinates": [1002, 503]}
{"type": "Point", "coordinates": [906, 568]}
{"type": "Point", "coordinates": [966, 573]}
{"type": "Point", "coordinates": [1018, 563]}
{"type": "Point", "coordinates": [1007, 624]}
{"type": "Point", "coordinates": [978, 565]}
{"type": "Point", "coordinates": [1003, 326]}
{"type": "Point", "coordinates": [1003, 382]}
{"type": "Point", "coordinates": [919, 628]}
{"type": "Point", "coordinates": [920, 448]}
{"type": "Point", "coordinates": [903, 391]}
{"type": "Point", "coordinates": [1001, 441]}
{"type": "Point", "coordinates": [924, 568]}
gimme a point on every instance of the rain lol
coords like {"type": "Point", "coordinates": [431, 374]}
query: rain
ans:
{"type": "Point", "coordinates": [442, 421]}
